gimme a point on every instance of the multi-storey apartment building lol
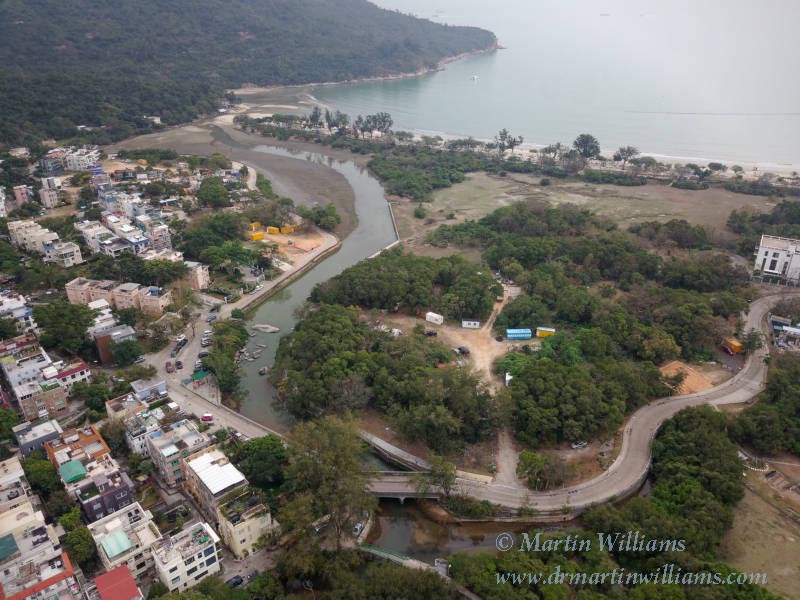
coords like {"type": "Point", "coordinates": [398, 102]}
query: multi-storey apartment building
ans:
{"type": "Point", "coordinates": [244, 520]}
{"type": "Point", "coordinates": [183, 560]}
{"type": "Point", "coordinates": [210, 478]}
{"type": "Point", "coordinates": [124, 538]}
{"type": "Point", "coordinates": [169, 445]}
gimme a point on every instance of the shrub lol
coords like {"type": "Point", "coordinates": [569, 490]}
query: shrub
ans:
{"type": "Point", "coordinates": [419, 213]}
{"type": "Point", "coordinates": [544, 182]}
{"type": "Point", "coordinates": [686, 184]}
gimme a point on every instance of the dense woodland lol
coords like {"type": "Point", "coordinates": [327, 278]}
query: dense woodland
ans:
{"type": "Point", "coordinates": [773, 423]}
{"type": "Point", "coordinates": [620, 310]}
{"type": "Point", "coordinates": [334, 363]}
{"type": "Point", "coordinates": [107, 65]}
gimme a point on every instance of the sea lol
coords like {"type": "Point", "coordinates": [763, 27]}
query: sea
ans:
{"type": "Point", "coordinates": [690, 79]}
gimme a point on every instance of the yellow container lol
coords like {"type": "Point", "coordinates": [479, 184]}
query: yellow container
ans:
{"type": "Point", "coordinates": [273, 230]}
{"type": "Point", "coordinates": [257, 235]}
{"type": "Point", "coordinates": [141, 161]}
{"type": "Point", "coordinates": [255, 226]}
{"type": "Point", "coordinates": [287, 229]}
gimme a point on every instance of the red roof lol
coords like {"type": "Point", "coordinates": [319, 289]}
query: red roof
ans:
{"type": "Point", "coordinates": [117, 584]}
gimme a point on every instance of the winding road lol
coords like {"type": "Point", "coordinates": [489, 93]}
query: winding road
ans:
{"type": "Point", "coordinates": [630, 468]}
{"type": "Point", "coordinates": [622, 478]}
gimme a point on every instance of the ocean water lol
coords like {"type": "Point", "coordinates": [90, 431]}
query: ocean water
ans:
{"type": "Point", "coordinates": [706, 79]}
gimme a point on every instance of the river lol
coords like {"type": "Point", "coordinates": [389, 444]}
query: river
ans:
{"type": "Point", "coordinates": [374, 231]}
{"type": "Point", "coordinates": [708, 79]}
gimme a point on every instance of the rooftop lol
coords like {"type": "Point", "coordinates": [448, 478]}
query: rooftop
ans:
{"type": "Point", "coordinates": [216, 471]}
{"type": "Point", "coordinates": [30, 432]}
{"type": "Point", "coordinates": [130, 527]}
{"type": "Point", "coordinates": [117, 584]}
{"type": "Point", "coordinates": [192, 539]}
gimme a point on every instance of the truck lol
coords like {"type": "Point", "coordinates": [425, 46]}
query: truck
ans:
{"type": "Point", "coordinates": [543, 332]}
{"type": "Point", "coordinates": [732, 346]}
{"type": "Point", "coordinates": [519, 334]}
{"type": "Point", "coordinates": [435, 318]}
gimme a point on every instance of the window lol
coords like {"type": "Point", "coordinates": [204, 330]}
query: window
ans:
{"type": "Point", "coordinates": [211, 561]}
{"type": "Point", "coordinates": [189, 560]}
{"type": "Point", "coordinates": [200, 576]}
{"type": "Point", "coordinates": [192, 570]}
{"type": "Point", "coordinates": [173, 569]}
{"type": "Point", "coordinates": [140, 566]}
{"type": "Point", "coordinates": [176, 580]}
{"type": "Point", "coordinates": [775, 255]}
{"type": "Point", "coordinates": [208, 551]}
{"type": "Point", "coordinates": [242, 541]}
{"type": "Point", "coordinates": [773, 264]}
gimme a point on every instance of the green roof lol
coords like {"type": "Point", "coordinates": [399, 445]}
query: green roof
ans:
{"type": "Point", "coordinates": [116, 543]}
{"type": "Point", "coordinates": [7, 546]}
{"type": "Point", "coordinates": [72, 471]}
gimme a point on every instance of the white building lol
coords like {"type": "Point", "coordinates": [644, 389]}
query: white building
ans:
{"type": "Point", "coordinates": [244, 520]}
{"type": "Point", "coordinates": [3, 209]}
{"type": "Point", "coordinates": [13, 306]}
{"type": "Point", "coordinates": [104, 319]}
{"type": "Point", "coordinates": [183, 560]}
{"type": "Point", "coordinates": [81, 159]}
{"type": "Point", "coordinates": [210, 479]}
{"type": "Point", "coordinates": [94, 233]}
{"type": "Point", "coordinates": [778, 256]}
{"type": "Point", "coordinates": [125, 537]}
{"type": "Point", "coordinates": [48, 197]}
{"type": "Point", "coordinates": [35, 238]}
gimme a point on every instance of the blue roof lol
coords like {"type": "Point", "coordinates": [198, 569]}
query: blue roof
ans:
{"type": "Point", "coordinates": [517, 331]}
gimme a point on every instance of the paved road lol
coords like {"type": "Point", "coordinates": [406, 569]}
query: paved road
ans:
{"type": "Point", "coordinates": [623, 476]}
{"type": "Point", "coordinates": [631, 466]}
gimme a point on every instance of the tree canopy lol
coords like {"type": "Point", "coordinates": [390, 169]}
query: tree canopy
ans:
{"type": "Point", "coordinates": [60, 71]}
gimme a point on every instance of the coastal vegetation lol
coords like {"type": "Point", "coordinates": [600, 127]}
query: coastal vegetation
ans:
{"type": "Point", "coordinates": [60, 71]}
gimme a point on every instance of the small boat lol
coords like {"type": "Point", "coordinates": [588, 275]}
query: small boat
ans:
{"type": "Point", "coordinates": [252, 334]}
{"type": "Point", "coordinates": [256, 354]}
{"type": "Point", "coordinates": [262, 371]}
{"type": "Point", "coordinates": [261, 345]}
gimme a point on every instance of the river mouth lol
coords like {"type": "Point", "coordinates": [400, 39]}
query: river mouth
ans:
{"type": "Point", "coordinates": [374, 231]}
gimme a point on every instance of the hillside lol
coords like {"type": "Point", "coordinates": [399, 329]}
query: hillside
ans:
{"type": "Point", "coordinates": [98, 62]}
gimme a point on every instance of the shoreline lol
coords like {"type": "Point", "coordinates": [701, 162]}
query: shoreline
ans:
{"type": "Point", "coordinates": [439, 66]}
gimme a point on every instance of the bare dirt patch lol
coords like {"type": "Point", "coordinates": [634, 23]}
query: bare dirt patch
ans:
{"type": "Point", "coordinates": [764, 539]}
{"type": "Point", "coordinates": [694, 380]}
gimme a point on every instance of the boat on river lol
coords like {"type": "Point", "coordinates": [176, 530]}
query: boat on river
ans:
{"type": "Point", "coordinates": [262, 371]}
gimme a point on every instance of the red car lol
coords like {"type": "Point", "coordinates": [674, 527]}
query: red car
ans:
{"type": "Point", "coordinates": [170, 368]}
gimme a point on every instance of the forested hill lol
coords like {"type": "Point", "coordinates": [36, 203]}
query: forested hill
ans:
{"type": "Point", "coordinates": [104, 62]}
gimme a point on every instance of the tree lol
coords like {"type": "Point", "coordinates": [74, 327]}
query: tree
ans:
{"type": "Point", "coordinates": [64, 325]}
{"type": "Point", "coordinates": [625, 153]}
{"type": "Point", "coordinates": [93, 395]}
{"type": "Point", "coordinates": [442, 475]}
{"type": "Point", "coordinates": [212, 193]}
{"type": "Point", "coordinates": [261, 460]}
{"type": "Point", "coordinates": [156, 590]}
{"type": "Point", "coordinates": [315, 117]}
{"type": "Point", "coordinates": [79, 544]}
{"type": "Point", "coordinates": [587, 145]}
{"type": "Point", "coordinates": [71, 520]}
{"type": "Point", "coordinates": [125, 353]}
{"type": "Point", "coordinates": [505, 141]}
{"type": "Point", "coordinates": [41, 474]}
{"type": "Point", "coordinates": [752, 341]}
{"type": "Point", "coordinates": [128, 316]}
{"type": "Point", "coordinates": [542, 470]}
{"type": "Point", "coordinates": [8, 420]}
{"type": "Point", "coordinates": [325, 460]}
{"type": "Point", "coordinates": [59, 502]}
{"type": "Point", "coordinates": [8, 328]}
{"type": "Point", "coordinates": [113, 433]}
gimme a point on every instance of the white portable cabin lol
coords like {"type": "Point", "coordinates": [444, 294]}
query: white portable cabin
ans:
{"type": "Point", "coordinates": [434, 318]}
{"type": "Point", "coordinates": [470, 324]}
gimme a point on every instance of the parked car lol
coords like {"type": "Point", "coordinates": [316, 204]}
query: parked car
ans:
{"type": "Point", "coordinates": [357, 529]}
{"type": "Point", "coordinates": [208, 333]}
{"type": "Point", "coordinates": [182, 343]}
{"type": "Point", "coordinates": [170, 368]}
{"type": "Point", "coordinates": [207, 418]}
{"type": "Point", "coordinates": [180, 338]}
{"type": "Point", "coordinates": [178, 364]}
{"type": "Point", "coordinates": [198, 365]}
{"type": "Point", "coordinates": [139, 360]}
{"type": "Point", "coordinates": [431, 333]}
{"type": "Point", "coordinates": [463, 351]}
{"type": "Point", "coordinates": [211, 318]}
{"type": "Point", "coordinates": [235, 581]}
{"type": "Point", "coordinates": [499, 338]}
{"type": "Point", "coordinates": [580, 444]}
{"type": "Point", "coordinates": [205, 343]}
{"type": "Point", "coordinates": [202, 355]}
{"type": "Point", "coordinates": [174, 352]}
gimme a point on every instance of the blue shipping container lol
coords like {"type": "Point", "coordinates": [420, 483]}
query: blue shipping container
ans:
{"type": "Point", "coordinates": [519, 334]}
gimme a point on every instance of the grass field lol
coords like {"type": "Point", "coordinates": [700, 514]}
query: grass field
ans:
{"type": "Point", "coordinates": [763, 539]}
{"type": "Point", "coordinates": [481, 193]}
